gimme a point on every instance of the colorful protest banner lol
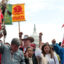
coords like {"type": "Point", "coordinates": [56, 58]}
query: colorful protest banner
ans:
{"type": "Point", "coordinates": [18, 12]}
{"type": "Point", "coordinates": [8, 16]}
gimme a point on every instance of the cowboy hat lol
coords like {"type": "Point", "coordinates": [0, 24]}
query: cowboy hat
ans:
{"type": "Point", "coordinates": [26, 37]}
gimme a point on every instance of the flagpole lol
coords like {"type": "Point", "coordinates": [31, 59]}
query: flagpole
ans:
{"type": "Point", "coordinates": [3, 1]}
{"type": "Point", "coordinates": [2, 27]}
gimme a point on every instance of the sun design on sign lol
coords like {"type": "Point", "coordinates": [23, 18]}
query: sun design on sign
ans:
{"type": "Point", "coordinates": [18, 9]}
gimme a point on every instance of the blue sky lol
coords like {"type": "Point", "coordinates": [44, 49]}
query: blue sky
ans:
{"type": "Point", "coordinates": [48, 15]}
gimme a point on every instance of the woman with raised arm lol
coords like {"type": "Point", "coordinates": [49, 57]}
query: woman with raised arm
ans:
{"type": "Point", "coordinates": [48, 56]}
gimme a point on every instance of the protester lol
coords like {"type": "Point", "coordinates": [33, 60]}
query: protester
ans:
{"type": "Point", "coordinates": [30, 57]}
{"type": "Point", "coordinates": [59, 50]}
{"type": "Point", "coordinates": [48, 56]}
{"type": "Point", "coordinates": [0, 53]}
{"type": "Point", "coordinates": [27, 42]}
{"type": "Point", "coordinates": [38, 55]}
{"type": "Point", "coordinates": [33, 46]}
{"type": "Point", "coordinates": [60, 43]}
{"type": "Point", "coordinates": [56, 54]}
{"type": "Point", "coordinates": [6, 43]}
{"type": "Point", "coordinates": [11, 54]}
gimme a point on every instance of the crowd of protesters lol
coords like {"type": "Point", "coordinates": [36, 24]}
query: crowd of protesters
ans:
{"type": "Point", "coordinates": [25, 52]}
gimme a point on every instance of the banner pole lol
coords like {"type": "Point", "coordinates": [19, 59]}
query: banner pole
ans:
{"type": "Point", "coordinates": [19, 26]}
{"type": "Point", "coordinates": [20, 34]}
{"type": "Point", "coordinates": [3, 31]}
{"type": "Point", "coordinates": [3, 3]}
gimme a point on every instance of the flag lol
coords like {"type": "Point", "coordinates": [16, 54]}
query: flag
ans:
{"type": "Point", "coordinates": [18, 12]}
{"type": "Point", "coordinates": [8, 15]}
{"type": "Point", "coordinates": [62, 41]}
{"type": "Point", "coordinates": [62, 25]}
{"type": "Point", "coordinates": [1, 17]}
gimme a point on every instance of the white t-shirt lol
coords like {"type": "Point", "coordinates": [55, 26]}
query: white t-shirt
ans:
{"type": "Point", "coordinates": [50, 60]}
{"type": "Point", "coordinates": [38, 52]}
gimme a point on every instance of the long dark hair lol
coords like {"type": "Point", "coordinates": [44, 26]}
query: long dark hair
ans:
{"type": "Point", "coordinates": [50, 51]}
